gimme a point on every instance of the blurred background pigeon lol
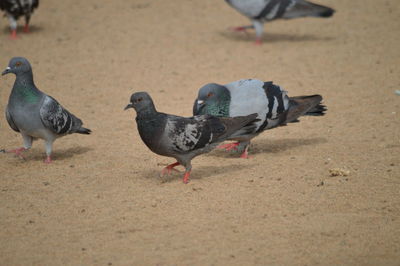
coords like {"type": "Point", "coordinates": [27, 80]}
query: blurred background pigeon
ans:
{"type": "Point", "coordinates": [271, 103]}
{"type": "Point", "coordinates": [260, 11]}
{"type": "Point", "coordinates": [183, 138]}
{"type": "Point", "coordinates": [17, 8]}
{"type": "Point", "coordinates": [35, 114]}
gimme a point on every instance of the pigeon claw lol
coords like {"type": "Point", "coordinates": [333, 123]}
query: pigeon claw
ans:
{"type": "Point", "coordinates": [229, 146]}
{"type": "Point", "coordinates": [258, 42]}
{"type": "Point", "coordinates": [239, 29]}
{"type": "Point", "coordinates": [186, 177]}
{"type": "Point", "coordinates": [169, 168]}
{"type": "Point", "coordinates": [18, 152]}
{"type": "Point", "coordinates": [13, 35]}
{"type": "Point", "coordinates": [48, 160]}
{"type": "Point", "coordinates": [245, 155]}
{"type": "Point", "coordinates": [26, 28]}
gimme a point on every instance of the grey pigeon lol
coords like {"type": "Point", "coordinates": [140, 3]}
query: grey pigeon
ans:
{"type": "Point", "coordinates": [260, 11]}
{"type": "Point", "coordinates": [243, 97]}
{"type": "Point", "coordinates": [35, 114]}
{"type": "Point", "coordinates": [180, 137]}
{"type": "Point", "coordinates": [17, 8]}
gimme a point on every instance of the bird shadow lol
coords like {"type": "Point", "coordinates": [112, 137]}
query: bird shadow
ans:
{"type": "Point", "coordinates": [272, 37]}
{"type": "Point", "coordinates": [268, 146]}
{"type": "Point", "coordinates": [197, 172]}
{"type": "Point", "coordinates": [20, 29]}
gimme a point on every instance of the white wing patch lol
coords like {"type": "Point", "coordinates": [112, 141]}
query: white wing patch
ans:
{"type": "Point", "coordinates": [183, 139]}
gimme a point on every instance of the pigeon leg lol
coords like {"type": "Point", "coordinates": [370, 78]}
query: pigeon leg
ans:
{"type": "Point", "coordinates": [13, 26]}
{"type": "Point", "coordinates": [259, 27]}
{"type": "Point", "coordinates": [245, 154]}
{"type": "Point", "coordinates": [26, 27]}
{"type": "Point", "coordinates": [242, 28]}
{"type": "Point", "coordinates": [27, 145]}
{"type": "Point", "coordinates": [229, 146]}
{"type": "Point", "coordinates": [169, 168]}
{"type": "Point", "coordinates": [13, 35]}
{"type": "Point", "coordinates": [48, 159]}
{"type": "Point", "coordinates": [18, 152]}
{"type": "Point", "coordinates": [186, 177]}
{"type": "Point", "coordinates": [49, 148]}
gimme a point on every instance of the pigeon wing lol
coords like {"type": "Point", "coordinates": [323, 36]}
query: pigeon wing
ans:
{"type": "Point", "coordinates": [11, 121]}
{"type": "Point", "coordinates": [57, 119]}
{"type": "Point", "coordinates": [188, 134]}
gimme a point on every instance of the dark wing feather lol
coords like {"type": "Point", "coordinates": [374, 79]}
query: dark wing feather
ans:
{"type": "Point", "coordinates": [188, 134]}
{"type": "Point", "coordinates": [18, 8]}
{"type": "Point", "coordinates": [11, 121]}
{"type": "Point", "coordinates": [58, 119]}
{"type": "Point", "coordinates": [35, 4]}
{"type": "Point", "coordinates": [274, 9]}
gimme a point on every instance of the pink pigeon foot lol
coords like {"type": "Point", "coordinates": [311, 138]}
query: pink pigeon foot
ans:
{"type": "Point", "coordinates": [26, 28]}
{"type": "Point", "coordinates": [13, 34]}
{"type": "Point", "coordinates": [245, 155]}
{"type": "Point", "coordinates": [186, 177]}
{"type": "Point", "coordinates": [240, 29]}
{"type": "Point", "coordinates": [229, 146]}
{"type": "Point", "coordinates": [48, 160]}
{"type": "Point", "coordinates": [18, 152]}
{"type": "Point", "coordinates": [258, 42]}
{"type": "Point", "coordinates": [169, 168]}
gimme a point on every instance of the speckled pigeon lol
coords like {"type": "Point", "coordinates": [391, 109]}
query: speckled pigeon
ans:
{"type": "Point", "coordinates": [183, 138]}
{"type": "Point", "coordinates": [35, 114]}
{"type": "Point", "coordinates": [243, 97]}
{"type": "Point", "coordinates": [260, 11]}
{"type": "Point", "coordinates": [17, 8]}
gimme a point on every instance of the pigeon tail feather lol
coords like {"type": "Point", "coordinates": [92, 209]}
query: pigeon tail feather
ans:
{"type": "Point", "coordinates": [83, 130]}
{"type": "Point", "coordinates": [305, 105]}
{"type": "Point", "coordinates": [308, 9]}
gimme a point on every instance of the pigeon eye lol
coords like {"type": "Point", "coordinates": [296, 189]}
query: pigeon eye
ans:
{"type": "Point", "coordinates": [18, 63]}
{"type": "Point", "coordinates": [210, 94]}
{"type": "Point", "coordinates": [140, 99]}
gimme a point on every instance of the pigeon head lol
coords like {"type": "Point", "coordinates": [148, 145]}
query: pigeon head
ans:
{"type": "Point", "coordinates": [141, 102]}
{"type": "Point", "coordinates": [17, 65]}
{"type": "Point", "coordinates": [212, 99]}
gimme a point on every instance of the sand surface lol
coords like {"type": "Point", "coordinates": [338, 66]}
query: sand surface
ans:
{"type": "Point", "coordinates": [101, 201]}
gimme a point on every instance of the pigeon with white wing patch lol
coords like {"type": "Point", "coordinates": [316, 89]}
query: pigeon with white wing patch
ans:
{"type": "Point", "coordinates": [183, 138]}
{"type": "Point", "coordinates": [271, 103]}
{"type": "Point", "coordinates": [260, 11]}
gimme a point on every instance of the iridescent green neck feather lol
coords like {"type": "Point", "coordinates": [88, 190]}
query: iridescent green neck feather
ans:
{"type": "Point", "coordinates": [25, 89]}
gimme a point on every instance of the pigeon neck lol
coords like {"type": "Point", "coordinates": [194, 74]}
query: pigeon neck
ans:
{"type": "Point", "coordinates": [149, 111]}
{"type": "Point", "coordinates": [25, 88]}
{"type": "Point", "coordinates": [218, 108]}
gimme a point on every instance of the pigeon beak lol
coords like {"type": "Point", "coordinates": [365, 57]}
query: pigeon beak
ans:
{"type": "Point", "coordinates": [200, 105]}
{"type": "Point", "coordinates": [128, 106]}
{"type": "Point", "coordinates": [8, 70]}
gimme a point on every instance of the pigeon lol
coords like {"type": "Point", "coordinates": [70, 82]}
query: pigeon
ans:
{"type": "Point", "coordinates": [35, 114]}
{"type": "Point", "coordinates": [183, 138]}
{"type": "Point", "coordinates": [17, 8]}
{"type": "Point", "coordinates": [271, 103]}
{"type": "Point", "coordinates": [260, 11]}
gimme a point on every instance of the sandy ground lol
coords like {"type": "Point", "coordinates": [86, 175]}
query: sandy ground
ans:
{"type": "Point", "coordinates": [102, 203]}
